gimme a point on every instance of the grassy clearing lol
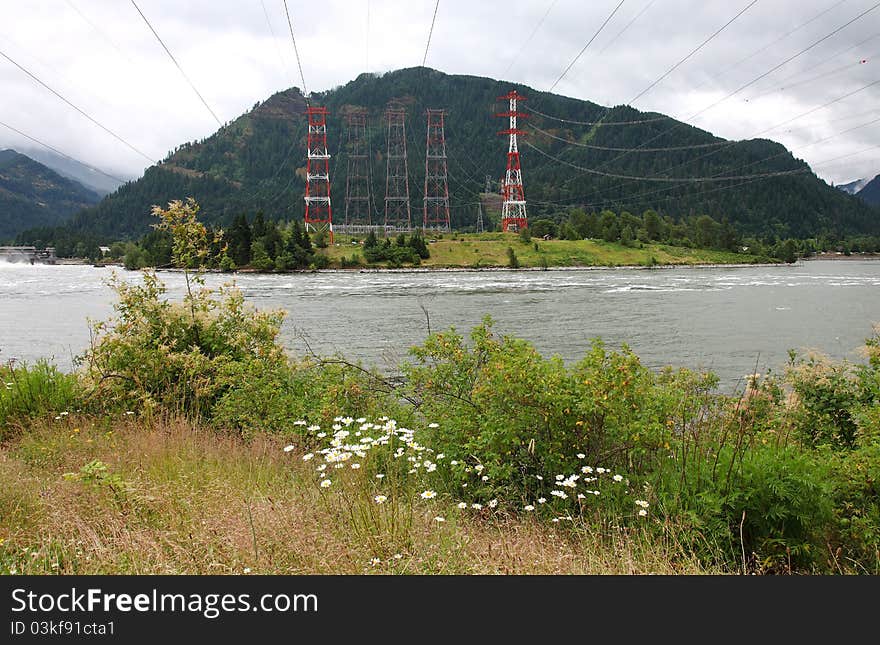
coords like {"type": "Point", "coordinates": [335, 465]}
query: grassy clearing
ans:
{"type": "Point", "coordinates": [180, 499]}
{"type": "Point", "coordinates": [490, 250]}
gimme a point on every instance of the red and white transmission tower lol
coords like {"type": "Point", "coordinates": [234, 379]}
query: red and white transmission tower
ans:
{"type": "Point", "coordinates": [319, 215]}
{"type": "Point", "coordinates": [397, 208]}
{"type": "Point", "coordinates": [513, 206]}
{"type": "Point", "coordinates": [357, 182]}
{"type": "Point", "coordinates": [436, 179]}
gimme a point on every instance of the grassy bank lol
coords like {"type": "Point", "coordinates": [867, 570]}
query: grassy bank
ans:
{"type": "Point", "coordinates": [491, 250]}
{"type": "Point", "coordinates": [178, 498]}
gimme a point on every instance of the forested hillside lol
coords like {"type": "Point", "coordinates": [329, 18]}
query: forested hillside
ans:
{"type": "Point", "coordinates": [870, 193]}
{"type": "Point", "coordinates": [33, 195]}
{"type": "Point", "coordinates": [257, 162]}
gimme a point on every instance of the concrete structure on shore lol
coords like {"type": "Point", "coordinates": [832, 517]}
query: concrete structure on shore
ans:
{"type": "Point", "coordinates": [27, 254]}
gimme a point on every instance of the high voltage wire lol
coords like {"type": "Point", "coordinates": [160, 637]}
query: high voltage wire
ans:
{"type": "Point", "coordinates": [808, 80]}
{"type": "Point", "coordinates": [98, 30]}
{"type": "Point", "coordinates": [785, 62]}
{"type": "Point", "coordinates": [80, 110]}
{"type": "Point", "coordinates": [529, 39]}
{"type": "Point", "coordinates": [770, 44]}
{"type": "Point", "coordinates": [609, 149]}
{"type": "Point", "coordinates": [296, 52]}
{"type": "Point", "coordinates": [430, 33]}
{"type": "Point", "coordinates": [581, 53]}
{"type": "Point", "coordinates": [627, 26]}
{"type": "Point", "coordinates": [600, 122]}
{"type": "Point", "coordinates": [694, 51]}
{"type": "Point", "coordinates": [176, 64]}
{"type": "Point", "coordinates": [63, 154]}
{"type": "Point", "coordinates": [274, 39]}
{"type": "Point", "coordinates": [683, 180]}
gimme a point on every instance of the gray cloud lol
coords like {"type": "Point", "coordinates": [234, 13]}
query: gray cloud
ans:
{"type": "Point", "coordinates": [120, 75]}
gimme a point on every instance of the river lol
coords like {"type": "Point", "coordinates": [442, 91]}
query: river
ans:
{"type": "Point", "coordinates": [726, 319]}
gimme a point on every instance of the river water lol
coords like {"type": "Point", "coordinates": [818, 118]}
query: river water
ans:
{"type": "Point", "coordinates": [726, 319]}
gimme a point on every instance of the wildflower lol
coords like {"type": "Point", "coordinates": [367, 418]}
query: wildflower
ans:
{"type": "Point", "coordinates": [642, 512]}
{"type": "Point", "coordinates": [439, 519]}
{"type": "Point", "coordinates": [321, 435]}
{"type": "Point", "coordinates": [380, 476]}
{"type": "Point", "coordinates": [441, 456]}
{"type": "Point", "coordinates": [454, 462]}
{"type": "Point", "coordinates": [337, 426]}
{"type": "Point", "coordinates": [529, 507]}
{"type": "Point", "coordinates": [299, 423]}
{"type": "Point", "coordinates": [433, 425]}
{"type": "Point", "coordinates": [539, 477]}
{"type": "Point", "coordinates": [361, 419]}
{"type": "Point", "coordinates": [380, 499]}
{"type": "Point", "coordinates": [246, 570]}
{"type": "Point", "coordinates": [485, 478]}
{"type": "Point", "coordinates": [462, 505]}
{"type": "Point", "coordinates": [555, 519]}
{"type": "Point", "coordinates": [307, 456]}
{"type": "Point", "coordinates": [541, 500]}
{"type": "Point", "coordinates": [618, 478]}
{"type": "Point", "coordinates": [428, 494]}
{"type": "Point", "coordinates": [326, 483]}
{"type": "Point", "coordinates": [397, 556]}
{"type": "Point", "coordinates": [559, 493]}
{"type": "Point", "coordinates": [559, 478]}
{"type": "Point", "coordinates": [642, 503]}
{"type": "Point", "coordinates": [601, 470]}
{"type": "Point", "coordinates": [479, 468]}
{"type": "Point", "coordinates": [586, 469]}
{"type": "Point", "coordinates": [581, 496]}
{"type": "Point", "coordinates": [313, 428]}
{"type": "Point", "coordinates": [355, 466]}
{"type": "Point", "coordinates": [128, 413]}
{"type": "Point", "coordinates": [581, 455]}
{"type": "Point", "coordinates": [493, 503]}
{"type": "Point", "coordinates": [375, 561]}
{"type": "Point", "coordinates": [476, 507]}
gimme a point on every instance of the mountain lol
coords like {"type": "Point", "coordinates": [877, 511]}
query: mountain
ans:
{"type": "Point", "coordinates": [257, 162]}
{"type": "Point", "coordinates": [852, 187]}
{"type": "Point", "coordinates": [33, 195]}
{"type": "Point", "coordinates": [871, 192]}
{"type": "Point", "coordinates": [88, 177]}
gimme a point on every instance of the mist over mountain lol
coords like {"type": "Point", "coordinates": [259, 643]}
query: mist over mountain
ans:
{"type": "Point", "coordinates": [33, 195]}
{"type": "Point", "coordinates": [94, 181]}
{"type": "Point", "coordinates": [870, 193]}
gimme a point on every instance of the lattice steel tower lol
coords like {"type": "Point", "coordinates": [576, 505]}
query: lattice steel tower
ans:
{"type": "Point", "coordinates": [436, 207]}
{"type": "Point", "coordinates": [319, 215]}
{"type": "Point", "coordinates": [397, 208]}
{"type": "Point", "coordinates": [513, 206]}
{"type": "Point", "coordinates": [357, 182]}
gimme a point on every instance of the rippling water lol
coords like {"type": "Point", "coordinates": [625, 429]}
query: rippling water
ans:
{"type": "Point", "coordinates": [729, 320]}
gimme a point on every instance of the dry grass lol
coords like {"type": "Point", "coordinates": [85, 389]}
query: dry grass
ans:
{"type": "Point", "coordinates": [195, 502]}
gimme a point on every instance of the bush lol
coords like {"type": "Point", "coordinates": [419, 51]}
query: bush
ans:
{"type": "Point", "coordinates": [32, 391]}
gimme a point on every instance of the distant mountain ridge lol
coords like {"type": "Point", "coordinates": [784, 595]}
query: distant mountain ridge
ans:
{"type": "Point", "coordinates": [33, 195]}
{"type": "Point", "coordinates": [853, 187]}
{"type": "Point", "coordinates": [257, 162]}
{"type": "Point", "coordinates": [870, 193]}
{"type": "Point", "coordinates": [94, 181]}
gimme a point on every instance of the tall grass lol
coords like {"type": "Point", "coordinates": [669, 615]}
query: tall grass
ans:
{"type": "Point", "coordinates": [38, 390]}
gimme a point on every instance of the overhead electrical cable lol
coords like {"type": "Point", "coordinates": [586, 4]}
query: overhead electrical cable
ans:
{"type": "Point", "coordinates": [610, 149]}
{"type": "Point", "coordinates": [627, 26]}
{"type": "Point", "coordinates": [63, 154]}
{"type": "Point", "coordinates": [693, 51]}
{"type": "Point", "coordinates": [274, 39]}
{"type": "Point", "coordinates": [296, 53]}
{"type": "Point", "coordinates": [430, 33]}
{"type": "Point", "coordinates": [529, 39]}
{"type": "Point", "coordinates": [176, 64]}
{"type": "Point", "coordinates": [589, 42]}
{"type": "Point", "coordinates": [80, 110]}
{"type": "Point", "coordinates": [99, 31]}
{"type": "Point", "coordinates": [785, 62]}
{"type": "Point", "coordinates": [770, 44]}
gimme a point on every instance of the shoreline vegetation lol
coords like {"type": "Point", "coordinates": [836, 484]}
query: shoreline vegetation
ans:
{"type": "Point", "coordinates": [187, 441]}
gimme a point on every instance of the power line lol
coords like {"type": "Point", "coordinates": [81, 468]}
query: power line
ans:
{"type": "Point", "coordinates": [770, 44]}
{"type": "Point", "coordinates": [274, 39]}
{"type": "Point", "coordinates": [694, 51]}
{"type": "Point", "coordinates": [807, 80]}
{"type": "Point", "coordinates": [683, 180]}
{"type": "Point", "coordinates": [581, 53]}
{"type": "Point", "coordinates": [176, 64]}
{"type": "Point", "coordinates": [600, 122]}
{"type": "Point", "coordinates": [63, 154]}
{"type": "Point", "coordinates": [529, 39]}
{"type": "Point", "coordinates": [609, 149]}
{"type": "Point", "coordinates": [786, 61]}
{"type": "Point", "coordinates": [627, 26]}
{"type": "Point", "coordinates": [430, 32]}
{"type": "Point", "coordinates": [98, 30]}
{"type": "Point", "coordinates": [80, 110]}
{"type": "Point", "coordinates": [296, 52]}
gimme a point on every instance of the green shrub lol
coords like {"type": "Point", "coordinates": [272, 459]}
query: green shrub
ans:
{"type": "Point", "coordinates": [37, 390]}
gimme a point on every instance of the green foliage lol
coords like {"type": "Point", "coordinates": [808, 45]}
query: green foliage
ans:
{"type": "Point", "coordinates": [512, 260]}
{"type": "Point", "coordinates": [29, 391]}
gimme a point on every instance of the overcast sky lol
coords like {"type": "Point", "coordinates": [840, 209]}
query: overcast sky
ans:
{"type": "Point", "coordinates": [102, 57]}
